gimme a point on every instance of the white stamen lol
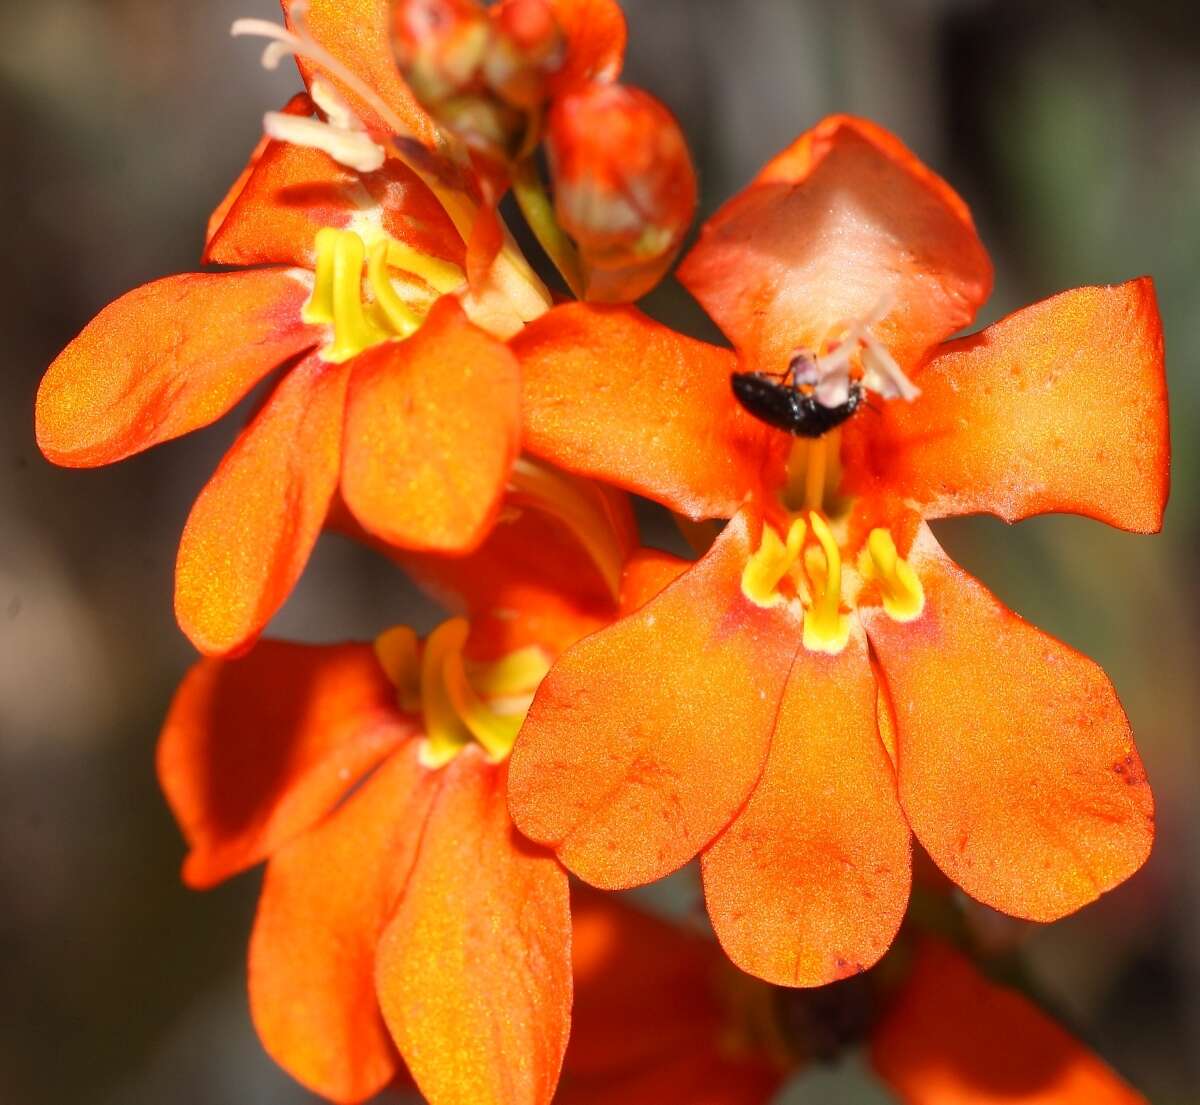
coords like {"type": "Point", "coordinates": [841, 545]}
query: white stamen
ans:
{"type": "Point", "coordinates": [284, 42]}
{"type": "Point", "coordinates": [833, 389]}
{"type": "Point", "coordinates": [335, 109]}
{"type": "Point", "coordinates": [882, 374]}
{"type": "Point", "coordinates": [352, 148]}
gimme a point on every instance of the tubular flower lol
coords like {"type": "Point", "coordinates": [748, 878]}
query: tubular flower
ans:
{"type": "Point", "coordinates": [403, 921]}
{"type": "Point", "coordinates": [824, 681]}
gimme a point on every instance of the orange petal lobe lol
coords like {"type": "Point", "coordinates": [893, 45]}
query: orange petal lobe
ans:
{"type": "Point", "coordinates": [611, 394]}
{"type": "Point", "coordinates": [357, 34]}
{"type": "Point", "coordinates": [290, 192]}
{"type": "Point", "coordinates": [432, 429]}
{"type": "Point", "coordinates": [844, 220]}
{"type": "Point", "coordinates": [325, 900]}
{"type": "Point", "coordinates": [166, 359]}
{"type": "Point", "coordinates": [1026, 788]}
{"type": "Point", "coordinates": [256, 750]}
{"type": "Point", "coordinates": [595, 32]}
{"type": "Point", "coordinates": [646, 737]}
{"type": "Point", "coordinates": [474, 969]}
{"type": "Point", "coordinates": [1059, 407]}
{"type": "Point", "coordinates": [954, 1038]}
{"type": "Point", "coordinates": [810, 882]}
{"type": "Point", "coordinates": [251, 530]}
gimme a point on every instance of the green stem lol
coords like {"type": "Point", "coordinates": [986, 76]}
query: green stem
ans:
{"type": "Point", "coordinates": [535, 205]}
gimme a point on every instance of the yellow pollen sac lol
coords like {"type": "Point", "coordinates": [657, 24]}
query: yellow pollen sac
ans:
{"type": "Point", "coordinates": [903, 595]}
{"type": "Point", "coordinates": [337, 295]}
{"type": "Point", "coordinates": [826, 628]}
{"type": "Point", "coordinates": [460, 702]}
{"type": "Point", "coordinates": [765, 569]}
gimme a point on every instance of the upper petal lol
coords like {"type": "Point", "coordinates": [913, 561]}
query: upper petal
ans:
{"type": "Point", "coordinates": [595, 32]}
{"type": "Point", "coordinates": [1059, 407]}
{"type": "Point", "coordinates": [253, 527]}
{"type": "Point", "coordinates": [646, 737]}
{"type": "Point", "coordinates": [255, 750]}
{"type": "Point", "coordinates": [290, 192]}
{"type": "Point", "coordinates": [432, 430]}
{"type": "Point", "coordinates": [810, 882]}
{"type": "Point", "coordinates": [166, 359]}
{"type": "Point", "coordinates": [474, 969]}
{"type": "Point", "coordinates": [951, 1037]}
{"type": "Point", "coordinates": [611, 394]}
{"type": "Point", "coordinates": [325, 901]}
{"type": "Point", "coordinates": [357, 33]}
{"type": "Point", "coordinates": [844, 220]}
{"type": "Point", "coordinates": [1016, 766]}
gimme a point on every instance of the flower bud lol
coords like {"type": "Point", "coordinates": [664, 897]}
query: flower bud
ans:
{"type": "Point", "coordinates": [624, 186]}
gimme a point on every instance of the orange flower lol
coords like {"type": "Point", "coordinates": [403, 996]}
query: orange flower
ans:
{"type": "Point", "coordinates": [825, 680]}
{"type": "Point", "coordinates": [402, 919]}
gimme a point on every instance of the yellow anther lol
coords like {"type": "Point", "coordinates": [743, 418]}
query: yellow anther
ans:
{"type": "Point", "coordinates": [774, 559]}
{"type": "Point", "coordinates": [461, 703]}
{"type": "Point", "coordinates": [398, 654]}
{"type": "Point", "coordinates": [401, 318]}
{"type": "Point", "coordinates": [903, 595]}
{"type": "Point", "coordinates": [826, 628]}
{"type": "Point", "coordinates": [441, 276]}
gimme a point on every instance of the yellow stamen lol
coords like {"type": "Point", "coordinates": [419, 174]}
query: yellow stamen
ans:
{"type": "Point", "coordinates": [903, 595]}
{"type": "Point", "coordinates": [398, 654]}
{"type": "Point", "coordinates": [446, 733]}
{"type": "Point", "coordinates": [401, 318]}
{"type": "Point", "coordinates": [580, 507]}
{"type": "Point", "coordinates": [318, 311]}
{"type": "Point", "coordinates": [826, 628]}
{"type": "Point", "coordinates": [517, 673]}
{"type": "Point", "coordinates": [495, 732]}
{"type": "Point", "coordinates": [771, 562]}
{"type": "Point", "coordinates": [441, 276]}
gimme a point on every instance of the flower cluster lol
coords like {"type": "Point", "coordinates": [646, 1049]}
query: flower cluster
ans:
{"type": "Point", "coordinates": [812, 692]}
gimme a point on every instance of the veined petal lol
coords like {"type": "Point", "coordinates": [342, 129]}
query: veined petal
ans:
{"type": "Point", "coordinates": [432, 429]}
{"type": "Point", "coordinates": [1059, 407]}
{"type": "Point", "coordinates": [810, 882]}
{"type": "Point", "coordinates": [474, 969]}
{"type": "Point", "coordinates": [951, 1037]}
{"type": "Point", "coordinates": [611, 394]}
{"type": "Point", "coordinates": [595, 32]}
{"type": "Point", "coordinates": [290, 192]}
{"type": "Point", "coordinates": [325, 900]}
{"type": "Point", "coordinates": [646, 737]}
{"type": "Point", "coordinates": [254, 751]}
{"type": "Point", "coordinates": [844, 220]}
{"type": "Point", "coordinates": [166, 359]}
{"type": "Point", "coordinates": [357, 33]}
{"type": "Point", "coordinates": [250, 533]}
{"type": "Point", "coordinates": [1016, 767]}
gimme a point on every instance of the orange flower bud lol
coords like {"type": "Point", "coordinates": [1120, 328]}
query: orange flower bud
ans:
{"type": "Point", "coordinates": [528, 48]}
{"type": "Point", "coordinates": [624, 186]}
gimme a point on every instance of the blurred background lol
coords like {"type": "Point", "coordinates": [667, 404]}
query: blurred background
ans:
{"type": "Point", "coordinates": [1071, 128]}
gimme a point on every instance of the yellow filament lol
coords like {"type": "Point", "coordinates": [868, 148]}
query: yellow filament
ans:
{"type": "Point", "coordinates": [401, 318]}
{"type": "Point", "coordinates": [826, 628]}
{"type": "Point", "coordinates": [441, 276]}
{"type": "Point", "coordinates": [580, 507]}
{"type": "Point", "coordinates": [771, 562]}
{"type": "Point", "coordinates": [494, 732]}
{"type": "Point", "coordinates": [446, 734]}
{"type": "Point", "coordinates": [398, 655]}
{"type": "Point", "coordinates": [903, 595]}
{"type": "Point", "coordinates": [517, 673]}
{"type": "Point", "coordinates": [318, 311]}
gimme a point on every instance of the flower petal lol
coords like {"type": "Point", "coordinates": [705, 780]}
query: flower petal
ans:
{"type": "Point", "coordinates": [432, 429]}
{"type": "Point", "coordinates": [166, 359]}
{"type": "Point", "coordinates": [256, 750]}
{"type": "Point", "coordinates": [611, 394]}
{"type": "Point", "coordinates": [810, 882]}
{"type": "Point", "coordinates": [842, 221]}
{"type": "Point", "coordinates": [250, 533]}
{"type": "Point", "coordinates": [595, 32]}
{"type": "Point", "coordinates": [704, 1076]}
{"type": "Point", "coordinates": [1016, 766]}
{"type": "Point", "coordinates": [325, 901]}
{"type": "Point", "coordinates": [474, 969]}
{"type": "Point", "coordinates": [290, 192]}
{"type": "Point", "coordinates": [1059, 407]}
{"type": "Point", "coordinates": [358, 35]}
{"type": "Point", "coordinates": [954, 1038]}
{"type": "Point", "coordinates": [646, 737]}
